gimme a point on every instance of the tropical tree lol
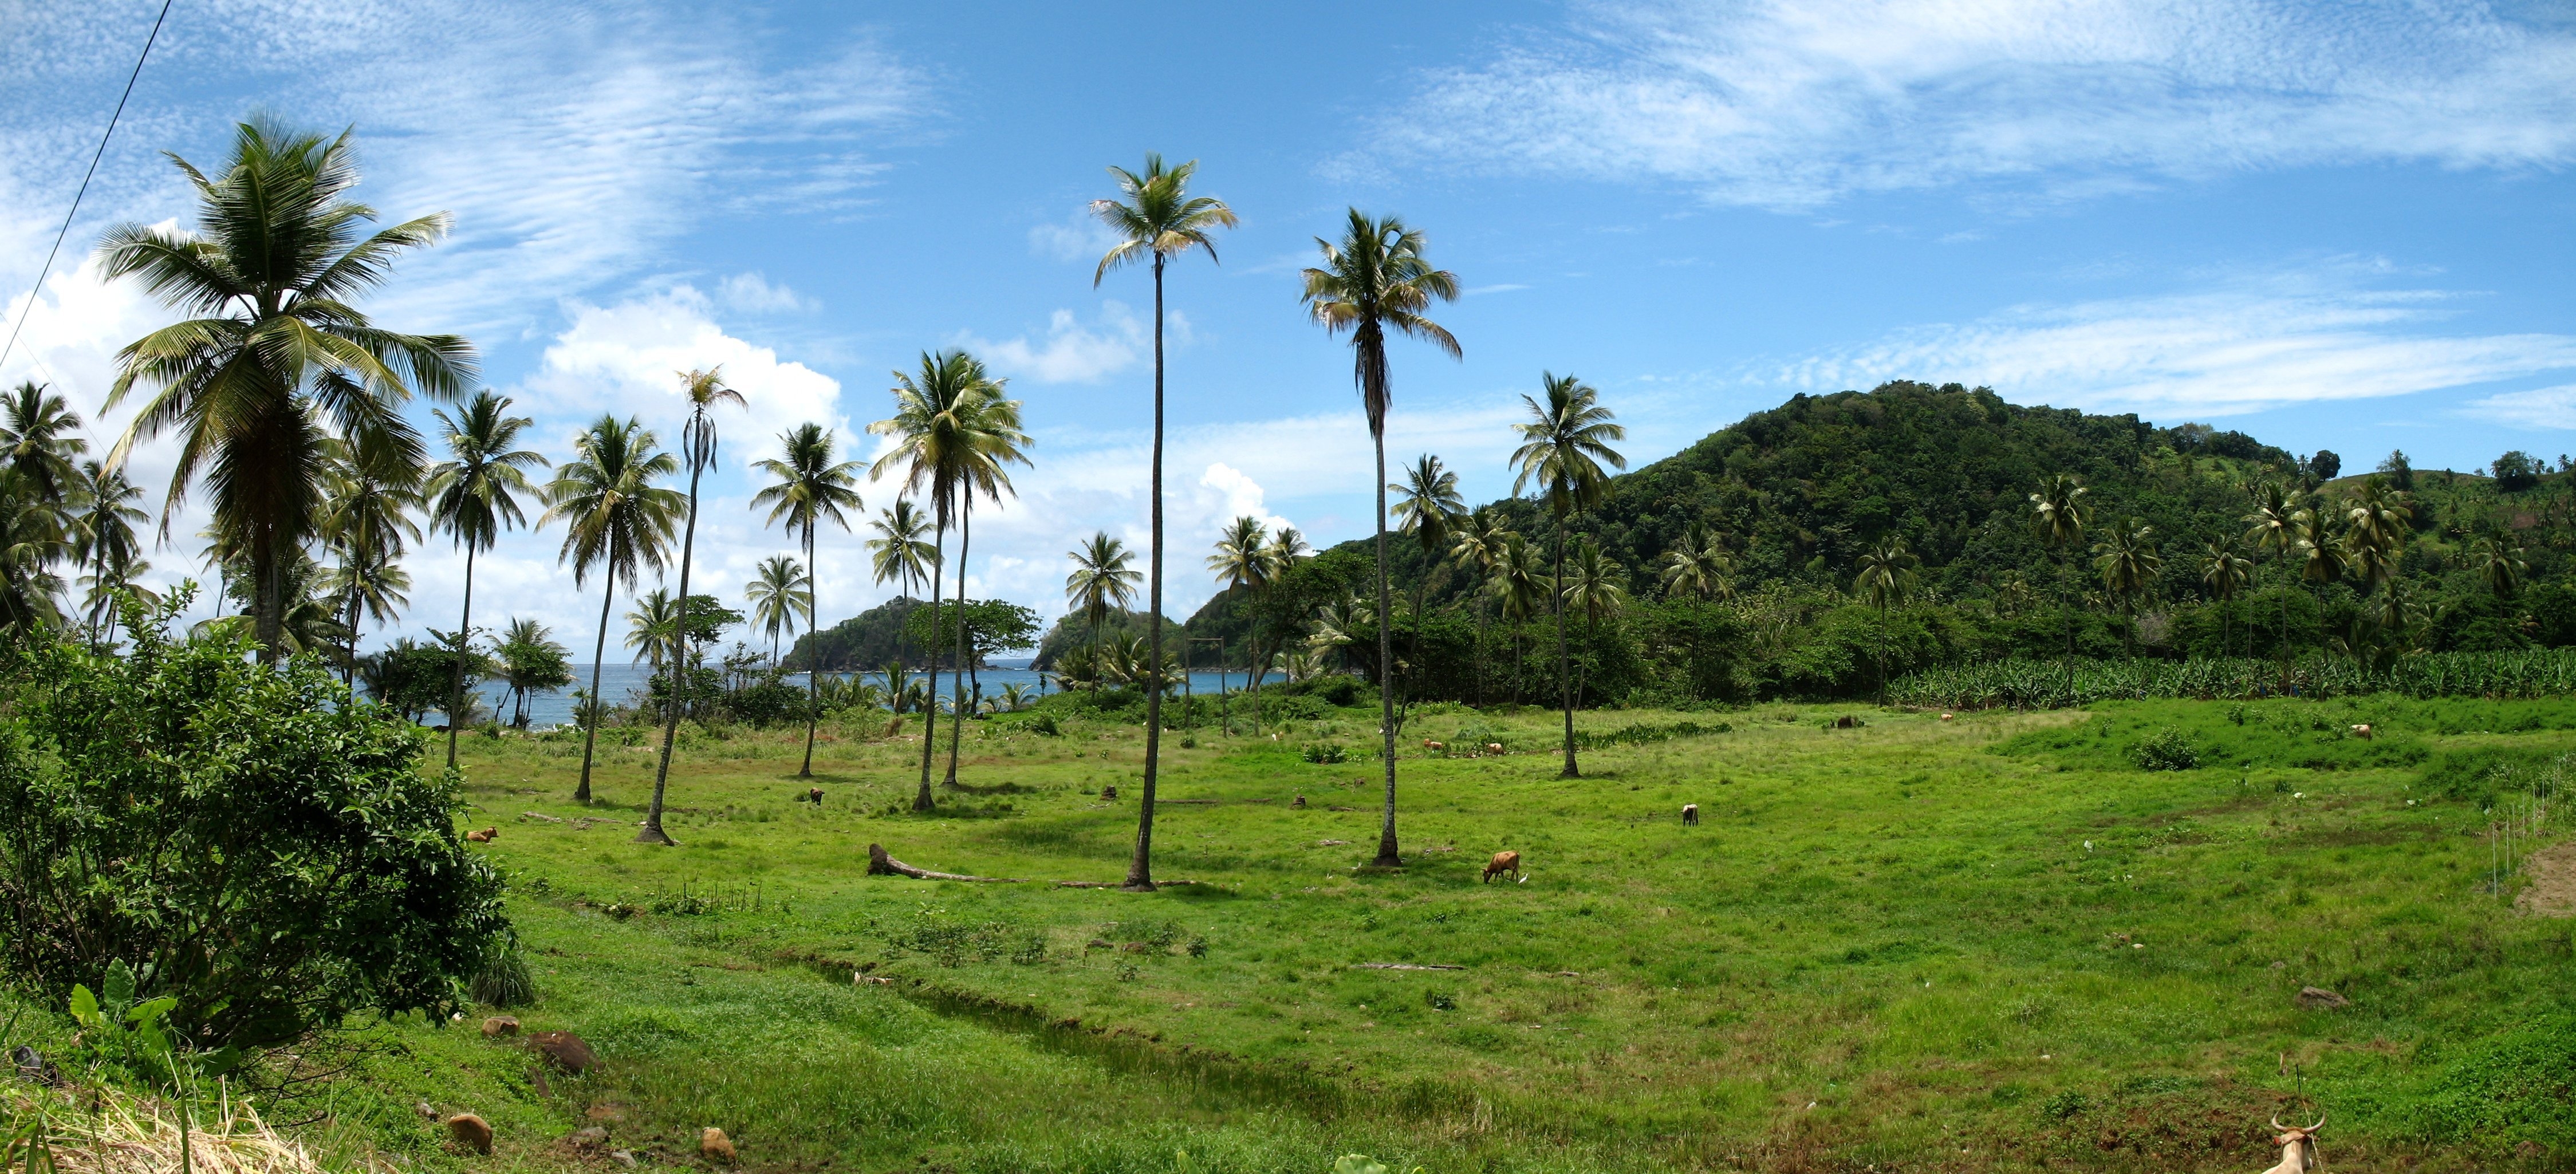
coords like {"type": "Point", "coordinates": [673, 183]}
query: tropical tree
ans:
{"type": "Point", "coordinates": [366, 520]}
{"type": "Point", "coordinates": [474, 495]}
{"type": "Point", "coordinates": [279, 359]}
{"type": "Point", "coordinates": [2499, 565]}
{"type": "Point", "coordinates": [31, 542]}
{"type": "Point", "coordinates": [781, 597]}
{"type": "Point", "coordinates": [2322, 559]}
{"type": "Point", "coordinates": [807, 487]}
{"type": "Point", "coordinates": [1519, 584]}
{"type": "Point", "coordinates": [954, 432]}
{"type": "Point", "coordinates": [1696, 567]}
{"type": "Point", "coordinates": [2225, 572]}
{"type": "Point", "coordinates": [530, 662]}
{"type": "Point", "coordinates": [899, 554]}
{"type": "Point", "coordinates": [1242, 559]}
{"type": "Point", "coordinates": [653, 634]}
{"type": "Point", "coordinates": [1475, 547]}
{"type": "Point", "coordinates": [1375, 280]}
{"type": "Point", "coordinates": [618, 521]}
{"type": "Point", "coordinates": [39, 440]}
{"type": "Point", "coordinates": [1155, 220]}
{"type": "Point", "coordinates": [1428, 508]}
{"type": "Point", "coordinates": [2059, 512]}
{"type": "Point", "coordinates": [1287, 548]}
{"type": "Point", "coordinates": [1104, 577]}
{"type": "Point", "coordinates": [104, 540]}
{"type": "Point", "coordinates": [703, 389]}
{"type": "Point", "coordinates": [1563, 447]}
{"type": "Point", "coordinates": [1595, 585]}
{"type": "Point", "coordinates": [2273, 526]}
{"type": "Point", "coordinates": [1886, 574]}
{"type": "Point", "coordinates": [2126, 559]}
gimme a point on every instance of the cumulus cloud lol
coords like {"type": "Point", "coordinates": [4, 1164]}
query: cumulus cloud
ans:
{"type": "Point", "coordinates": [752, 293]}
{"type": "Point", "coordinates": [627, 358]}
{"type": "Point", "coordinates": [2543, 407]}
{"type": "Point", "coordinates": [1074, 353]}
{"type": "Point", "coordinates": [2253, 345]}
{"type": "Point", "coordinates": [1791, 104]}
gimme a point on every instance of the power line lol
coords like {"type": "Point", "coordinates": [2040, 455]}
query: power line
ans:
{"type": "Point", "coordinates": [112, 120]}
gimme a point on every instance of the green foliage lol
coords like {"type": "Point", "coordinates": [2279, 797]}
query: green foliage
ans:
{"type": "Point", "coordinates": [992, 626]}
{"type": "Point", "coordinates": [1325, 753]}
{"type": "Point", "coordinates": [179, 796]}
{"type": "Point", "coordinates": [2513, 1088]}
{"type": "Point", "coordinates": [2034, 684]}
{"type": "Point", "coordinates": [2167, 749]}
{"type": "Point", "coordinates": [865, 642]}
{"type": "Point", "coordinates": [127, 1040]}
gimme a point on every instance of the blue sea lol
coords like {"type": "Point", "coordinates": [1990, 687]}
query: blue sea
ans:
{"type": "Point", "coordinates": [618, 681]}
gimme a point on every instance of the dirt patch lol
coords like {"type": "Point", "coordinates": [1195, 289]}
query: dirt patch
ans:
{"type": "Point", "coordinates": [2552, 892]}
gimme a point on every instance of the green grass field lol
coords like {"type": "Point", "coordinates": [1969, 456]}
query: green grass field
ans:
{"type": "Point", "coordinates": [1984, 943]}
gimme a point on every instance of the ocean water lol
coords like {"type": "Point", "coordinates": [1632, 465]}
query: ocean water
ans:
{"type": "Point", "coordinates": [617, 681]}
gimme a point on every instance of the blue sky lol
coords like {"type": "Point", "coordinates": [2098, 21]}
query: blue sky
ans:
{"type": "Point", "coordinates": [2338, 225]}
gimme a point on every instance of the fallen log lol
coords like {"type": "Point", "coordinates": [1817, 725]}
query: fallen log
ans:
{"type": "Point", "coordinates": [880, 864]}
{"type": "Point", "coordinates": [1405, 966]}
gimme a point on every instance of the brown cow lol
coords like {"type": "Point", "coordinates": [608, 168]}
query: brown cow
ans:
{"type": "Point", "coordinates": [1502, 862]}
{"type": "Point", "coordinates": [814, 795]}
{"type": "Point", "coordinates": [483, 836]}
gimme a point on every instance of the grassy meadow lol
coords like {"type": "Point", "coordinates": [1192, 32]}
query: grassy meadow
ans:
{"type": "Point", "coordinates": [1990, 942]}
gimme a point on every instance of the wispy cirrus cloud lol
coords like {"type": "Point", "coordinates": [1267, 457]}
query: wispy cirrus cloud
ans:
{"type": "Point", "coordinates": [1790, 105]}
{"type": "Point", "coordinates": [2244, 346]}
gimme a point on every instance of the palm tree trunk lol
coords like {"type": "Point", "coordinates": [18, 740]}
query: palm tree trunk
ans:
{"type": "Point", "coordinates": [652, 832]}
{"type": "Point", "coordinates": [590, 728]}
{"type": "Point", "coordinates": [921, 800]}
{"type": "Point", "coordinates": [1564, 662]}
{"type": "Point", "coordinates": [965, 662]}
{"type": "Point", "coordinates": [349, 671]}
{"type": "Point", "coordinates": [464, 626]}
{"type": "Point", "coordinates": [1140, 867]}
{"type": "Point", "coordinates": [1387, 857]}
{"type": "Point", "coordinates": [813, 666]}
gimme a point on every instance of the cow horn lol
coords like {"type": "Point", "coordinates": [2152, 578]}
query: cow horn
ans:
{"type": "Point", "coordinates": [2321, 1123]}
{"type": "Point", "coordinates": [2276, 1122]}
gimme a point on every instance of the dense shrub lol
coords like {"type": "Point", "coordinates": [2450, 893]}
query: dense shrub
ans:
{"type": "Point", "coordinates": [259, 849]}
{"type": "Point", "coordinates": [2167, 749]}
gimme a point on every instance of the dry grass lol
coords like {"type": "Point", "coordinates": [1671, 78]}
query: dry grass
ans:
{"type": "Point", "coordinates": [106, 1131]}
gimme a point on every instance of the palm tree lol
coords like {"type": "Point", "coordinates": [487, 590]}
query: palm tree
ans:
{"type": "Point", "coordinates": [953, 434]}
{"type": "Point", "coordinates": [1103, 578]}
{"type": "Point", "coordinates": [367, 585]}
{"type": "Point", "coordinates": [2126, 559]}
{"type": "Point", "coordinates": [1563, 447]}
{"type": "Point", "coordinates": [1287, 548]}
{"type": "Point", "coordinates": [2321, 558]}
{"type": "Point", "coordinates": [2499, 565]}
{"type": "Point", "coordinates": [703, 390]}
{"type": "Point", "coordinates": [1696, 566]}
{"type": "Point", "coordinates": [653, 635]}
{"type": "Point", "coordinates": [1519, 584]}
{"type": "Point", "coordinates": [900, 555]}
{"type": "Point", "coordinates": [1476, 547]}
{"type": "Point", "coordinates": [282, 359]}
{"type": "Point", "coordinates": [367, 520]}
{"type": "Point", "coordinates": [31, 540]}
{"type": "Point", "coordinates": [2273, 526]}
{"type": "Point", "coordinates": [2225, 572]}
{"type": "Point", "coordinates": [1242, 559]}
{"type": "Point", "coordinates": [474, 496]}
{"type": "Point", "coordinates": [530, 661]}
{"type": "Point", "coordinates": [1886, 573]}
{"type": "Point", "coordinates": [617, 520]}
{"type": "Point", "coordinates": [38, 439]}
{"type": "Point", "coordinates": [1375, 280]}
{"type": "Point", "coordinates": [1158, 220]}
{"type": "Point", "coordinates": [1596, 586]}
{"type": "Point", "coordinates": [781, 597]}
{"type": "Point", "coordinates": [808, 487]}
{"type": "Point", "coordinates": [103, 539]}
{"type": "Point", "coordinates": [1428, 508]}
{"type": "Point", "coordinates": [2059, 513]}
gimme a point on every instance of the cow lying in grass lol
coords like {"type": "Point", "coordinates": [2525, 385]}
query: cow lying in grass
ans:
{"type": "Point", "coordinates": [2298, 1147]}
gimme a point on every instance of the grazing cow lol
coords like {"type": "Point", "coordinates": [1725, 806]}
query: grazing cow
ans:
{"type": "Point", "coordinates": [2361, 731]}
{"type": "Point", "coordinates": [483, 836]}
{"type": "Point", "coordinates": [1690, 814]}
{"type": "Point", "coordinates": [1502, 862]}
{"type": "Point", "coordinates": [1493, 747]}
{"type": "Point", "coordinates": [1435, 747]}
{"type": "Point", "coordinates": [2298, 1147]}
{"type": "Point", "coordinates": [814, 795]}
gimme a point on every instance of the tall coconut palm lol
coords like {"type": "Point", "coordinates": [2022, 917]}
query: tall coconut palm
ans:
{"type": "Point", "coordinates": [104, 540]}
{"type": "Point", "coordinates": [530, 661]}
{"type": "Point", "coordinates": [807, 487]}
{"type": "Point", "coordinates": [368, 584]}
{"type": "Point", "coordinates": [1156, 220]}
{"type": "Point", "coordinates": [2321, 555]}
{"type": "Point", "coordinates": [1242, 559]}
{"type": "Point", "coordinates": [2499, 565]}
{"type": "Point", "coordinates": [900, 555]}
{"type": "Point", "coordinates": [618, 521]}
{"type": "Point", "coordinates": [704, 390]}
{"type": "Point", "coordinates": [781, 596]}
{"type": "Point", "coordinates": [995, 441]}
{"type": "Point", "coordinates": [1428, 508]}
{"type": "Point", "coordinates": [31, 541]}
{"type": "Point", "coordinates": [653, 634]}
{"type": "Point", "coordinates": [2225, 572]}
{"type": "Point", "coordinates": [1886, 574]}
{"type": "Point", "coordinates": [1595, 585]}
{"type": "Point", "coordinates": [39, 438]}
{"type": "Point", "coordinates": [954, 432]}
{"type": "Point", "coordinates": [1519, 584]}
{"type": "Point", "coordinates": [366, 521]}
{"type": "Point", "coordinates": [1696, 567]}
{"type": "Point", "coordinates": [2273, 526]}
{"type": "Point", "coordinates": [2059, 513]}
{"type": "Point", "coordinates": [474, 495]}
{"type": "Point", "coordinates": [1287, 548]}
{"type": "Point", "coordinates": [1477, 547]}
{"type": "Point", "coordinates": [1375, 280]}
{"type": "Point", "coordinates": [1104, 577]}
{"type": "Point", "coordinates": [1563, 447]}
{"type": "Point", "coordinates": [280, 357]}
{"type": "Point", "coordinates": [2127, 560]}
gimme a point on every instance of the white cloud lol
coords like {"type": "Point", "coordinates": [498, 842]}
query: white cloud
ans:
{"type": "Point", "coordinates": [1506, 287]}
{"type": "Point", "coordinates": [2254, 345]}
{"type": "Point", "coordinates": [1078, 237]}
{"type": "Point", "coordinates": [626, 358]}
{"type": "Point", "coordinates": [752, 293]}
{"type": "Point", "coordinates": [1073, 353]}
{"type": "Point", "coordinates": [2544, 407]}
{"type": "Point", "coordinates": [1791, 104]}
{"type": "Point", "coordinates": [1236, 496]}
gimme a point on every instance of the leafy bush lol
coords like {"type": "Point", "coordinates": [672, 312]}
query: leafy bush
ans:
{"type": "Point", "coordinates": [270, 856]}
{"type": "Point", "coordinates": [1325, 753]}
{"type": "Point", "coordinates": [2167, 750]}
